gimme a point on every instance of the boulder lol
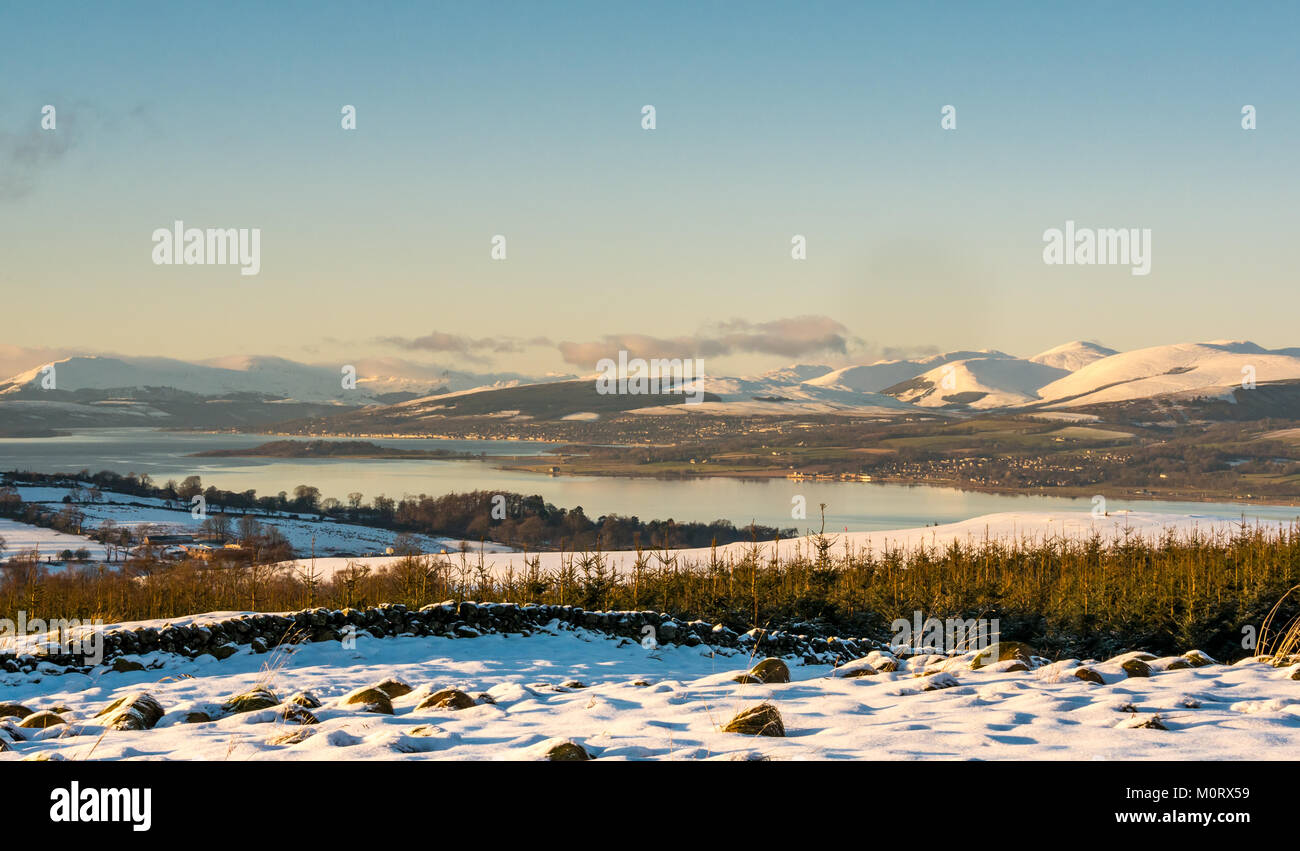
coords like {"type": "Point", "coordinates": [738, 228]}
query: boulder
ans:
{"type": "Point", "coordinates": [393, 687]}
{"type": "Point", "coordinates": [760, 720]}
{"type": "Point", "coordinates": [41, 720]}
{"type": "Point", "coordinates": [1136, 668]}
{"type": "Point", "coordinates": [1006, 651]}
{"type": "Point", "coordinates": [125, 666]}
{"type": "Point", "coordinates": [943, 679]}
{"type": "Point", "coordinates": [292, 713]}
{"type": "Point", "coordinates": [135, 711]}
{"type": "Point", "coordinates": [856, 668]}
{"type": "Point", "coordinates": [770, 670]}
{"type": "Point", "coordinates": [1088, 675]}
{"type": "Point", "coordinates": [448, 698]}
{"type": "Point", "coordinates": [369, 699]}
{"type": "Point", "coordinates": [196, 717]}
{"type": "Point", "coordinates": [225, 651]}
{"type": "Point", "coordinates": [567, 751]}
{"type": "Point", "coordinates": [1140, 655]}
{"type": "Point", "coordinates": [1199, 659]}
{"type": "Point", "coordinates": [252, 700]}
{"type": "Point", "coordinates": [306, 699]}
{"type": "Point", "coordinates": [13, 710]}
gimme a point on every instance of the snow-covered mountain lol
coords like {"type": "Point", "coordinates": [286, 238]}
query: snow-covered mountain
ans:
{"type": "Point", "coordinates": [273, 377]}
{"type": "Point", "coordinates": [875, 377]}
{"type": "Point", "coordinates": [1073, 356]}
{"type": "Point", "coordinates": [986, 382]}
{"type": "Point", "coordinates": [1183, 370]}
{"type": "Point", "coordinates": [251, 389]}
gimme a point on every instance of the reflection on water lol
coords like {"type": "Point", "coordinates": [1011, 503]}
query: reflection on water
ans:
{"type": "Point", "coordinates": [857, 506]}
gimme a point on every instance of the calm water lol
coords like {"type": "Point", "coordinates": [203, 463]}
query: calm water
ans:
{"type": "Point", "coordinates": [857, 506]}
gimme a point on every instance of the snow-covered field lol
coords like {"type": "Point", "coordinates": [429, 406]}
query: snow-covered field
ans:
{"type": "Point", "coordinates": [131, 511]}
{"type": "Point", "coordinates": [1007, 527]}
{"type": "Point", "coordinates": [23, 537]}
{"type": "Point", "coordinates": [669, 704]}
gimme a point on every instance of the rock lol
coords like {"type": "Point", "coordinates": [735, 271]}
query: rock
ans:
{"type": "Point", "coordinates": [196, 717]}
{"type": "Point", "coordinates": [573, 684]}
{"type": "Point", "coordinates": [13, 710]}
{"type": "Point", "coordinates": [124, 666]}
{"type": "Point", "coordinates": [370, 700]}
{"type": "Point", "coordinates": [448, 698]}
{"type": "Point", "coordinates": [251, 701]}
{"type": "Point", "coordinates": [1137, 722]}
{"type": "Point", "coordinates": [307, 699]}
{"type": "Point", "coordinates": [41, 720]}
{"type": "Point", "coordinates": [1136, 668]}
{"type": "Point", "coordinates": [760, 720]}
{"type": "Point", "coordinates": [1017, 650]}
{"type": "Point", "coordinates": [225, 651]}
{"type": "Point", "coordinates": [1007, 650]}
{"type": "Point", "coordinates": [1176, 663]}
{"type": "Point", "coordinates": [770, 670]}
{"type": "Point", "coordinates": [1199, 659]}
{"type": "Point", "coordinates": [1088, 675]}
{"type": "Point", "coordinates": [291, 737]}
{"type": "Point", "coordinates": [292, 713]}
{"type": "Point", "coordinates": [393, 687]}
{"type": "Point", "coordinates": [135, 711]}
{"type": "Point", "coordinates": [934, 682]}
{"type": "Point", "coordinates": [567, 751]}
{"type": "Point", "coordinates": [856, 668]}
{"type": "Point", "coordinates": [1140, 655]}
{"type": "Point", "coordinates": [4, 746]}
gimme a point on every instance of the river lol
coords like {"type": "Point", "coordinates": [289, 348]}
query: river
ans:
{"type": "Point", "coordinates": [854, 506]}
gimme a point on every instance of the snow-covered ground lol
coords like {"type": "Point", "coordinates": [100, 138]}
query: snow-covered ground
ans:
{"type": "Point", "coordinates": [1007, 527]}
{"type": "Point", "coordinates": [669, 704]}
{"type": "Point", "coordinates": [23, 538]}
{"type": "Point", "coordinates": [131, 511]}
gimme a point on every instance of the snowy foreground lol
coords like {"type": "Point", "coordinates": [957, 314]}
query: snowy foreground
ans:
{"type": "Point", "coordinates": [630, 703]}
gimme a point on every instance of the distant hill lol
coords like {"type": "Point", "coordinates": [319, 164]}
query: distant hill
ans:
{"type": "Point", "coordinates": [393, 395]}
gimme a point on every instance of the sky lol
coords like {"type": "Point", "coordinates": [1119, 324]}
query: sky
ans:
{"type": "Point", "coordinates": [525, 120]}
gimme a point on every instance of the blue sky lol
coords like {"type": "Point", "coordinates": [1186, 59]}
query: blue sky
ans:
{"type": "Point", "coordinates": [523, 119]}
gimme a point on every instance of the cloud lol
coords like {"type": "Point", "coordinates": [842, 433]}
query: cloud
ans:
{"type": "Point", "coordinates": [26, 156]}
{"type": "Point", "coordinates": [477, 349]}
{"type": "Point", "coordinates": [795, 337]}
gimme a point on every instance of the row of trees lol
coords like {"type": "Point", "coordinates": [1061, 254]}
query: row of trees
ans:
{"type": "Point", "coordinates": [1066, 597]}
{"type": "Point", "coordinates": [510, 518]}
